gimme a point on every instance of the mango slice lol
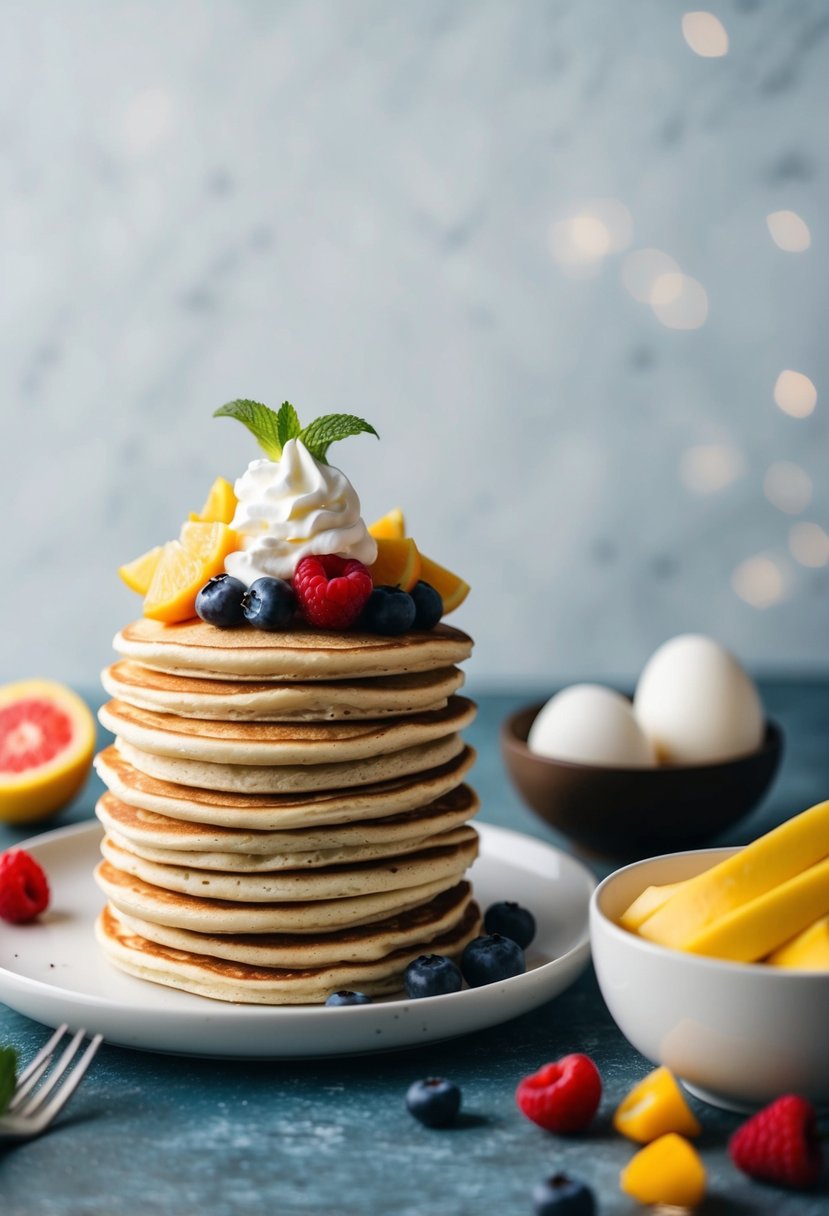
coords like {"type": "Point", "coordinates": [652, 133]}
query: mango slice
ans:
{"type": "Point", "coordinates": [397, 564]}
{"type": "Point", "coordinates": [653, 1108]}
{"type": "Point", "coordinates": [668, 1171]}
{"type": "Point", "coordinates": [773, 859]}
{"type": "Point", "coordinates": [756, 928]}
{"type": "Point", "coordinates": [650, 901]}
{"type": "Point", "coordinates": [807, 951]}
{"type": "Point", "coordinates": [184, 567]}
{"type": "Point", "coordinates": [390, 526]}
{"type": "Point", "coordinates": [138, 574]}
{"type": "Point", "coordinates": [220, 505]}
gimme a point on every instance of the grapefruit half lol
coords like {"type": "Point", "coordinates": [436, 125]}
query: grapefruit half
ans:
{"type": "Point", "coordinates": [47, 738]}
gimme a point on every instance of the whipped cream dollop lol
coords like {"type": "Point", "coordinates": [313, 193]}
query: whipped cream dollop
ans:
{"type": "Point", "coordinates": [293, 507]}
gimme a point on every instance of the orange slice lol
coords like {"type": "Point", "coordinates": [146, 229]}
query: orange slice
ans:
{"type": "Point", "coordinates": [184, 567]}
{"type": "Point", "coordinates": [138, 574]}
{"type": "Point", "coordinates": [220, 506]}
{"type": "Point", "coordinates": [451, 589]}
{"type": "Point", "coordinates": [391, 526]}
{"type": "Point", "coordinates": [397, 564]}
{"type": "Point", "coordinates": [47, 737]}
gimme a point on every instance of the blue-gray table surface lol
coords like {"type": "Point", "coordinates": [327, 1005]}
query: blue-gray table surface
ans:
{"type": "Point", "coordinates": [150, 1133]}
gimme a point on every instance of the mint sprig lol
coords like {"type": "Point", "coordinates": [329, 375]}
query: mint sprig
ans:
{"type": "Point", "coordinates": [273, 429]}
{"type": "Point", "coordinates": [8, 1075]}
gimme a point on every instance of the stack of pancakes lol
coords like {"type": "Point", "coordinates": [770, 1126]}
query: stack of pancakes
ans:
{"type": "Point", "coordinates": [286, 814]}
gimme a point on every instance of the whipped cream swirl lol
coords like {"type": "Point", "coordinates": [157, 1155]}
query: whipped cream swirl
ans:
{"type": "Point", "coordinates": [293, 507]}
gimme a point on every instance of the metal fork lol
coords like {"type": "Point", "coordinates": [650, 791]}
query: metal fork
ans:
{"type": "Point", "coordinates": [32, 1109]}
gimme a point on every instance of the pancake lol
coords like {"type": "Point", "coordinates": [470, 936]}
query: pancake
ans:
{"type": "Point", "coordinates": [292, 779]}
{"type": "Point", "coordinates": [259, 863]}
{"type": "Point", "coordinates": [220, 979]}
{"type": "Point", "coordinates": [280, 743]}
{"type": "Point", "coordinates": [446, 860]}
{"type": "Point", "coordinates": [196, 648]}
{"type": "Point", "coordinates": [319, 845]}
{"type": "Point", "coordinates": [286, 812]}
{"type": "Point", "coordinates": [142, 899]}
{"type": "Point", "coordinates": [228, 700]}
{"type": "Point", "coordinates": [417, 925]}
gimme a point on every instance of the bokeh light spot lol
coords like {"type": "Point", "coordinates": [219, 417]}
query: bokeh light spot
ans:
{"type": "Point", "coordinates": [788, 231]}
{"type": "Point", "coordinates": [809, 544]}
{"type": "Point", "coordinates": [642, 268]}
{"type": "Point", "coordinates": [759, 581]}
{"type": "Point", "coordinates": [795, 394]}
{"type": "Point", "coordinates": [705, 34]}
{"type": "Point", "coordinates": [707, 468]}
{"type": "Point", "coordinates": [679, 301]}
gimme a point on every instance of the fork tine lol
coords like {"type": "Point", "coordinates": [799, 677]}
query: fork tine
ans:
{"type": "Point", "coordinates": [64, 1092]}
{"type": "Point", "coordinates": [45, 1050]}
{"type": "Point", "coordinates": [53, 1076]}
{"type": "Point", "coordinates": [35, 1069]}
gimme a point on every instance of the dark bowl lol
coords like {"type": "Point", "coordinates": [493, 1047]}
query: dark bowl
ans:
{"type": "Point", "coordinates": [630, 813]}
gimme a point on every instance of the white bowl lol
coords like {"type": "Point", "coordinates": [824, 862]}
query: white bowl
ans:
{"type": "Point", "coordinates": [737, 1034]}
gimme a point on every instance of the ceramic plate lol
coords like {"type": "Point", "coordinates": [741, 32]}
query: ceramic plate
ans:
{"type": "Point", "coordinates": [52, 970]}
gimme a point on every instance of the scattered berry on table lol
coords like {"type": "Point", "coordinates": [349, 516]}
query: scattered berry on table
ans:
{"type": "Point", "coordinates": [24, 890]}
{"type": "Point", "coordinates": [490, 958]}
{"type": "Point", "coordinates": [432, 975]}
{"type": "Point", "coordinates": [780, 1144]}
{"type": "Point", "coordinates": [389, 610]}
{"type": "Point", "coordinates": [560, 1195]}
{"type": "Point", "coordinates": [428, 605]}
{"type": "Point", "coordinates": [434, 1102]}
{"type": "Point", "coordinates": [220, 601]}
{"type": "Point", "coordinates": [511, 920]}
{"type": "Point", "coordinates": [346, 997]}
{"type": "Point", "coordinates": [332, 591]}
{"type": "Point", "coordinates": [562, 1096]}
{"type": "Point", "coordinates": [269, 603]}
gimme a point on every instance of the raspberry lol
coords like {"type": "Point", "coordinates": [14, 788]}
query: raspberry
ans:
{"type": "Point", "coordinates": [332, 590]}
{"type": "Point", "coordinates": [780, 1144]}
{"type": "Point", "coordinates": [24, 891]}
{"type": "Point", "coordinates": [563, 1096]}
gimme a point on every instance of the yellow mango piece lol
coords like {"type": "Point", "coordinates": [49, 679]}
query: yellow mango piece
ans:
{"type": "Point", "coordinates": [668, 1171]}
{"type": "Point", "coordinates": [773, 859]}
{"type": "Point", "coordinates": [808, 951]}
{"type": "Point", "coordinates": [756, 928]}
{"type": "Point", "coordinates": [220, 505]}
{"type": "Point", "coordinates": [138, 574]}
{"type": "Point", "coordinates": [397, 563]}
{"type": "Point", "coordinates": [654, 1107]}
{"type": "Point", "coordinates": [390, 526]}
{"type": "Point", "coordinates": [184, 567]}
{"type": "Point", "coordinates": [450, 587]}
{"type": "Point", "coordinates": [651, 899]}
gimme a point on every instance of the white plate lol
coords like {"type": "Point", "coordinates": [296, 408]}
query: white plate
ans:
{"type": "Point", "coordinates": [52, 971]}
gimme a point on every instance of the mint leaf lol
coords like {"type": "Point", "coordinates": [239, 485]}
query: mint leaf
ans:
{"type": "Point", "coordinates": [287, 423]}
{"type": "Point", "coordinates": [261, 421]}
{"type": "Point", "coordinates": [330, 427]}
{"type": "Point", "coordinates": [8, 1074]}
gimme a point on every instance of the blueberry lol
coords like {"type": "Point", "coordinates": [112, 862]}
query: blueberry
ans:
{"type": "Point", "coordinates": [431, 975]}
{"type": "Point", "coordinates": [563, 1196]}
{"type": "Point", "coordinates": [428, 605]}
{"type": "Point", "coordinates": [269, 603]}
{"type": "Point", "coordinates": [388, 610]}
{"type": "Point", "coordinates": [434, 1102]}
{"type": "Point", "coordinates": [344, 997]}
{"type": "Point", "coordinates": [489, 959]}
{"type": "Point", "coordinates": [220, 601]}
{"type": "Point", "coordinates": [511, 920]}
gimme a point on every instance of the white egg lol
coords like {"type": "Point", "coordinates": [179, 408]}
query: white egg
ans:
{"type": "Point", "coordinates": [590, 724]}
{"type": "Point", "coordinates": [696, 703]}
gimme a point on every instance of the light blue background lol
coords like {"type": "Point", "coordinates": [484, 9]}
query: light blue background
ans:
{"type": "Point", "coordinates": [349, 204]}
